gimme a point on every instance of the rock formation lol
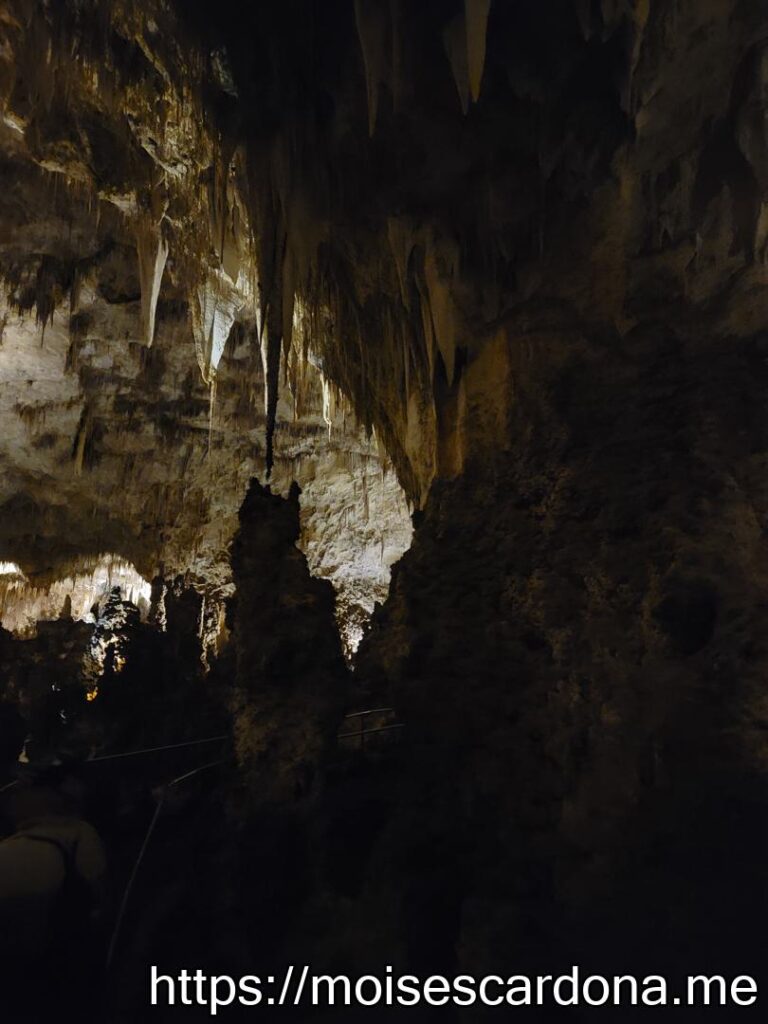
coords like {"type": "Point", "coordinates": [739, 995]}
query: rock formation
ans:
{"type": "Point", "coordinates": [525, 246]}
{"type": "Point", "coordinates": [291, 677]}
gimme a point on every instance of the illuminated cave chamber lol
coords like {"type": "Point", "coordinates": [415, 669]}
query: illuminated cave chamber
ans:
{"type": "Point", "coordinates": [108, 443]}
{"type": "Point", "coordinates": [525, 245]}
{"type": "Point", "coordinates": [79, 595]}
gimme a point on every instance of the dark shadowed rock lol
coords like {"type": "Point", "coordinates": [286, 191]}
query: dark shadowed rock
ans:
{"type": "Point", "coordinates": [291, 676]}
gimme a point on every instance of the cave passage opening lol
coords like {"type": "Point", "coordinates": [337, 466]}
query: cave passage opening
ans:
{"type": "Point", "coordinates": [78, 594]}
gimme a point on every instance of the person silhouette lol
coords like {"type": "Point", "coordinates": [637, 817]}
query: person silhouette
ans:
{"type": "Point", "coordinates": [52, 882]}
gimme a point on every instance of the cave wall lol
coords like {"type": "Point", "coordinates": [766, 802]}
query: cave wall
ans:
{"type": "Point", "coordinates": [566, 361]}
{"type": "Point", "coordinates": [108, 447]}
{"type": "Point", "coordinates": [132, 377]}
{"type": "Point", "coordinates": [530, 251]}
{"type": "Point", "coordinates": [574, 642]}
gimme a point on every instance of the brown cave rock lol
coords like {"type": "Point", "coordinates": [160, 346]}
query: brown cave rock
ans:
{"type": "Point", "coordinates": [479, 289]}
{"type": "Point", "coordinates": [291, 677]}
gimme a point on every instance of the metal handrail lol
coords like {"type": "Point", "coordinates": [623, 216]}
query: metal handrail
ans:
{"type": "Point", "coordinates": [371, 711]}
{"type": "Point", "coordinates": [367, 732]}
{"type": "Point", "coordinates": [155, 750]}
{"type": "Point", "coordinates": [117, 928]}
{"type": "Point", "coordinates": [361, 733]}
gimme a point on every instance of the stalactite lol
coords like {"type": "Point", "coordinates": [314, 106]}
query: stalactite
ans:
{"type": "Point", "coordinates": [584, 15]}
{"type": "Point", "coordinates": [327, 417]}
{"type": "Point", "coordinates": [275, 308]}
{"type": "Point", "coordinates": [372, 26]}
{"type": "Point", "coordinates": [640, 15]}
{"type": "Point", "coordinates": [400, 238]}
{"type": "Point", "coordinates": [366, 503]}
{"type": "Point", "coordinates": [271, 348]}
{"type": "Point", "coordinates": [81, 439]}
{"type": "Point", "coordinates": [152, 250]}
{"type": "Point", "coordinates": [476, 14]}
{"type": "Point", "coordinates": [396, 14]}
{"type": "Point", "coordinates": [211, 408]}
{"type": "Point", "coordinates": [443, 312]}
{"type": "Point", "coordinates": [455, 41]}
{"type": "Point", "coordinates": [225, 212]}
{"type": "Point", "coordinates": [288, 304]}
{"type": "Point", "coordinates": [215, 306]}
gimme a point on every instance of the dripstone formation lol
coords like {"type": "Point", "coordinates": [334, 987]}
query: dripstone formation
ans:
{"type": "Point", "coordinates": [517, 253]}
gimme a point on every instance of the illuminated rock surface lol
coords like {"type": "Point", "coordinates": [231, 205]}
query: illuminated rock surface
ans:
{"type": "Point", "coordinates": [525, 244]}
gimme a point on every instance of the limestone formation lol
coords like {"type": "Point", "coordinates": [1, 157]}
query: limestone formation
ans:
{"type": "Point", "coordinates": [516, 252]}
{"type": "Point", "coordinates": [291, 676]}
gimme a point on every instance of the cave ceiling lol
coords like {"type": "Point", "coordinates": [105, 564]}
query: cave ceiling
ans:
{"type": "Point", "coordinates": [312, 238]}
